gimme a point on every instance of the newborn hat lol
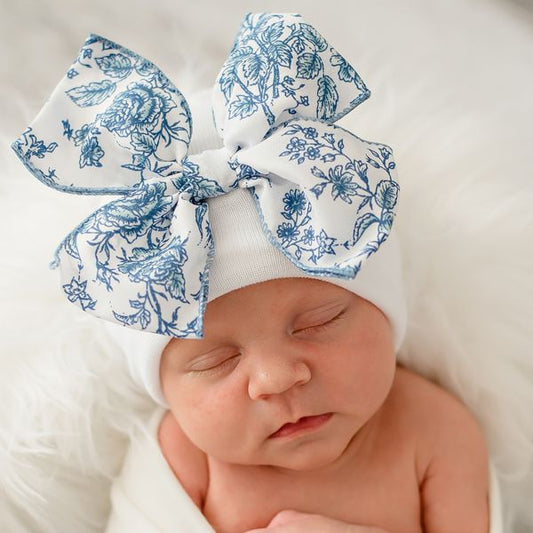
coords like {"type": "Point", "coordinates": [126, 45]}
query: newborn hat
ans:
{"type": "Point", "coordinates": [261, 186]}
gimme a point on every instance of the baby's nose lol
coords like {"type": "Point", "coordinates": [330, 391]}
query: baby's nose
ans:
{"type": "Point", "coordinates": [276, 374]}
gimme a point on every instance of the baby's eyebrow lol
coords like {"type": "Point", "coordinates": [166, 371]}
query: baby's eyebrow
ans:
{"type": "Point", "coordinates": [210, 349]}
{"type": "Point", "coordinates": [187, 348]}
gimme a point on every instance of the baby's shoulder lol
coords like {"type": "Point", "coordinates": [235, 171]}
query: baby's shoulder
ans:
{"type": "Point", "coordinates": [441, 425]}
{"type": "Point", "coordinates": [188, 463]}
{"type": "Point", "coordinates": [419, 400]}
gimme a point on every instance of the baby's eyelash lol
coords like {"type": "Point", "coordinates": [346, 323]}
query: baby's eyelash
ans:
{"type": "Point", "coordinates": [218, 367]}
{"type": "Point", "coordinates": [320, 327]}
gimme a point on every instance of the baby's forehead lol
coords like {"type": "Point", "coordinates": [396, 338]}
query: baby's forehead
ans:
{"type": "Point", "coordinates": [299, 290]}
{"type": "Point", "coordinates": [275, 299]}
{"type": "Point", "coordinates": [272, 300]}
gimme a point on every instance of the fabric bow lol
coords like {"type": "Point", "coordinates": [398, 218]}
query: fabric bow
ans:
{"type": "Point", "coordinates": [116, 125]}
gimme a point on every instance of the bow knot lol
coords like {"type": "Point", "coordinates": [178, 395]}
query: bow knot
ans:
{"type": "Point", "coordinates": [117, 125]}
{"type": "Point", "coordinates": [210, 166]}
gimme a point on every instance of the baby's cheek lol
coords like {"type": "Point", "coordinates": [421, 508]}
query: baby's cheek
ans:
{"type": "Point", "coordinates": [208, 417]}
{"type": "Point", "coordinates": [360, 371]}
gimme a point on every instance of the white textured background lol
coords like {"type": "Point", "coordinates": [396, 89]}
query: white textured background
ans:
{"type": "Point", "coordinates": [451, 84]}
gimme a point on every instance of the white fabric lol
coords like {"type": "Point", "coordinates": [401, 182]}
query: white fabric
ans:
{"type": "Point", "coordinates": [244, 256]}
{"type": "Point", "coordinates": [147, 498]}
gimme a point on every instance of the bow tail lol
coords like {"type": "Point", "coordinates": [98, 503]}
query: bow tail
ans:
{"type": "Point", "coordinates": [330, 197]}
{"type": "Point", "coordinates": [129, 262]}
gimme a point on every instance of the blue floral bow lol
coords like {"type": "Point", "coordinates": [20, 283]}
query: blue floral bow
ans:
{"type": "Point", "coordinates": [116, 125]}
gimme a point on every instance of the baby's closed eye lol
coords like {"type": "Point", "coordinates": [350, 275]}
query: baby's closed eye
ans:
{"type": "Point", "coordinates": [214, 361]}
{"type": "Point", "coordinates": [320, 324]}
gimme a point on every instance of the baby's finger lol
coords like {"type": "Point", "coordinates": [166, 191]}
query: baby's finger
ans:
{"type": "Point", "coordinates": [286, 517]}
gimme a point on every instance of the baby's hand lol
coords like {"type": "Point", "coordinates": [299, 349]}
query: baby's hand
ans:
{"type": "Point", "coordinates": [295, 522]}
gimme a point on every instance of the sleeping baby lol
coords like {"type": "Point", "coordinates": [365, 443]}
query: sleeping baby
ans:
{"type": "Point", "coordinates": [252, 266]}
{"type": "Point", "coordinates": [293, 401]}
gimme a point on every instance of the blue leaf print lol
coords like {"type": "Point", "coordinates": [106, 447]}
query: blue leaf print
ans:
{"type": "Point", "coordinates": [228, 76]}
{"type": "Point", "coordinates": [160, 267]}
{"type": "Point", "coordinates": [145, 69]}
{"type": "Point", "coordinates": [309, 66]}
{"type": "Point", "coordinates": [346, 71]}
{"type": "Point", "coordinates": [175, 284]}
{"type": "Point", "coordinates": [386, 222]}
{"type": "Point", "coordinates": [243, 106]}
{"type": "Point", "coordinates": [115, 65]}
{"type": "Point", "coordinates": [387, 194]}
{"type": "Point", "coordinates": [192, 183]}
{"type": "Point", "coordinates": [200, 219]}
{"type": "Point", "coordinates": [254, 67]}
{"type": "Point", "coordinates": [281, 52]}
{"type": "Point", "coordinates": [143, 143]}
{"type": "Point", "coordinates": [272, 33]}
{"type": "Point", "coordinates": [226, 81]}
{"type": "Point", "coordinates": [92, 94]}
{"type": "Point", "coordinates": [143, 317]}
{"type": "Point", "coordinates": [327, 98]}
{"type": "Point", "coordinates": [298, 45]}
{"type": "Point", "coordinates": [362, 224]}
{"type": "Point", "coordinates": [319, 43]}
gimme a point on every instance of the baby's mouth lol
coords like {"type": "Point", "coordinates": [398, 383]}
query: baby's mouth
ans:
{"type": "Point", "coordinates": [304, 424]}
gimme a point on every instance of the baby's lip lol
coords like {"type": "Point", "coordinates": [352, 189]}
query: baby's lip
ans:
{"type": "Point", "coordinates": [303, 424]}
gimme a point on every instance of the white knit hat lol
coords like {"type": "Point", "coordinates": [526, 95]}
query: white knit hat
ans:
{"type": "Point", "coordinates": [287, 193]}
{"type": "Point", "coordinates": [244, 256]}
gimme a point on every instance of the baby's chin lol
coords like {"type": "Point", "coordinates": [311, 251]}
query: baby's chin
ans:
{"type": "Point", "coordinates": [313, 460]}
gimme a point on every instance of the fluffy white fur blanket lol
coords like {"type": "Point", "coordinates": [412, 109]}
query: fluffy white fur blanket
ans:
{"type": "Point", "coordinates": [451, 82]}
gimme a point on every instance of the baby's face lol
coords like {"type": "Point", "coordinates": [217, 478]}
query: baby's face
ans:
{"type": "Point", "coordinates": [287, 372]}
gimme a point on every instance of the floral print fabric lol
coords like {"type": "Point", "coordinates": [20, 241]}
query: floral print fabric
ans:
{"type": "Point", "coordinates": [117, 125]}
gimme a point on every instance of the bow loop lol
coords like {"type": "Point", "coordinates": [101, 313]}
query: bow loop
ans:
{"type": "Point", "coordinates": [330, 199]}
{"type": "Point", "coordinates": [280, 68]}
{"type": "Point", "coordinates": [111, 117]}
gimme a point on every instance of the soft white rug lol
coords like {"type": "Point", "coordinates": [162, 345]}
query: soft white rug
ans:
{"type": "Point", "coordinates": [451, 83]}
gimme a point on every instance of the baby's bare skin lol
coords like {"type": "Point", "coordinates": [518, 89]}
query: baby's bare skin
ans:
{"type": "Point", "coordinates": [383, 481]}
{"type": "Point", "coordinates": [413, 461]}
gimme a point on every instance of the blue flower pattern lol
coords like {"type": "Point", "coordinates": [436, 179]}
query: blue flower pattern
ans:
{"type": "Point", "coordinates": [347, 178]}
{"type": "Point", "coordinates": [29, 146]}
{"type": "Point", "coordinates": [76, 291]}
{"type": "Point", "coordinates": [325, 197]}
